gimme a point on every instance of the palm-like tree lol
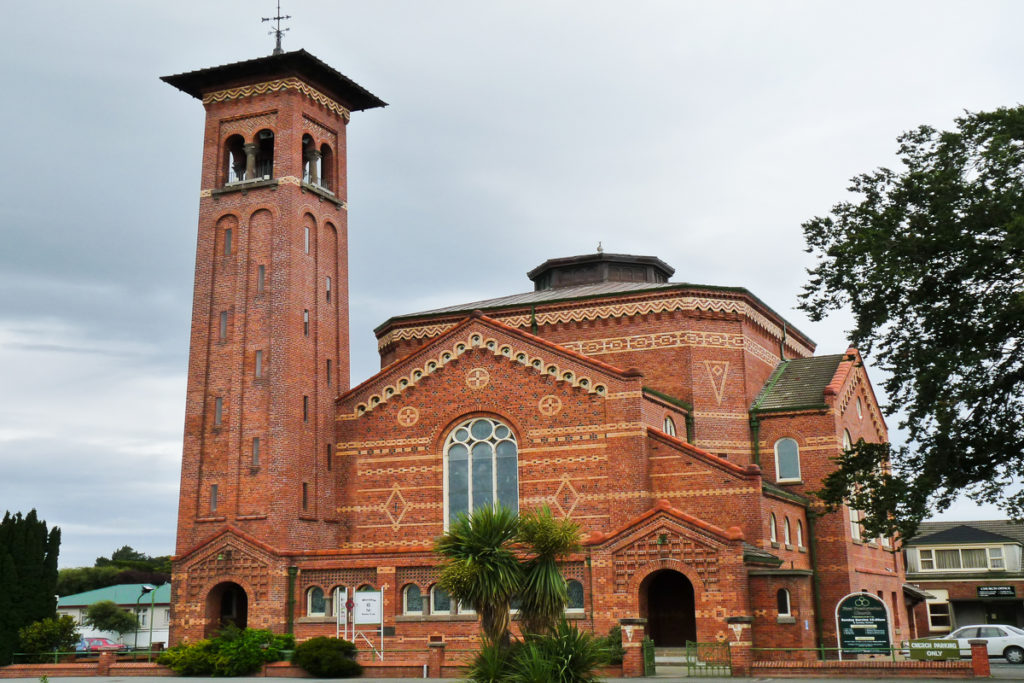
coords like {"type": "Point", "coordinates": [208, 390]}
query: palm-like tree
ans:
{"type": "Point", "coordinates": [481, 568]}
{"type": "Point", "coordinates": [543, 592]}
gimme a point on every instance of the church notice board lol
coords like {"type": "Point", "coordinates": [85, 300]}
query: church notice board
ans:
{"type": "Point", "coordinates": [862, 625]}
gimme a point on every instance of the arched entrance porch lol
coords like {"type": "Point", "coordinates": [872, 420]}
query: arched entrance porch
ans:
{"type": "Point", "coordinates": [227, 603]}
{"type": "Point", "coordinates": [667, 602]}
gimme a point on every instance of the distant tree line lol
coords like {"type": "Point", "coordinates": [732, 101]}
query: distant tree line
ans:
{"type": "Point", "coordinates": [125, 565]}
{"type": "Point", "coordinates": [28, 576]}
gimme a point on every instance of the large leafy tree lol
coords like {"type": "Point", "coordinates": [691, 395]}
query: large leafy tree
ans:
{"type": "Point", "coordinates": [28, 576]}
{"type": "Point", "coordinates": [930, 258]}
{"type": "Point", "coordinates": [107, 615]}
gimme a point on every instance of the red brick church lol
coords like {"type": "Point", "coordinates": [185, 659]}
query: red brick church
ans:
{"type": "Point", "coordinates": [683, 426]}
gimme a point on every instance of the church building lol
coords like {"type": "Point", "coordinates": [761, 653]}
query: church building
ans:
{"type": "Point", "coordinates": [684, 427]}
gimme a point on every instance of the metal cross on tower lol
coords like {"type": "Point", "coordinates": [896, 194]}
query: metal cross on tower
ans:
{"type": "Point", "coordinates": [278, 31]}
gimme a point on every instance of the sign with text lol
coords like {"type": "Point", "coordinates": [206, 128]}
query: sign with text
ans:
{"type": "Point", "coordinates": [997, 592]}
{"type": "Point", "coordinates": [862, 624]}
{"type": "Point", "coordinates": [934, 649]}
{"type": "Point", "coordinates": [368, 608]}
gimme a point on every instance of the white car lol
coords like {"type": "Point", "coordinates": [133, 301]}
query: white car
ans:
{"type": "Point", "coordinates": [1003, 641]}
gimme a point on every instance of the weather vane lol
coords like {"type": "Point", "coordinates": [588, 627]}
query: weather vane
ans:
{"type": "Point", "coordinates": [278, 32]}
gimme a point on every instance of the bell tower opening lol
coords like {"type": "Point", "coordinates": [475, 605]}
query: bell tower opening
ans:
{"type": "Point", "coordinates": [667, 602]}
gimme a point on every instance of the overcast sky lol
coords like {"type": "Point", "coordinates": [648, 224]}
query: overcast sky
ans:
{"type": "Point", "coordinates": [702, 133]}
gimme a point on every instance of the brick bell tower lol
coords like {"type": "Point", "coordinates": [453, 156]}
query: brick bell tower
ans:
{"type": "Point", "coordinates": [269, 348]}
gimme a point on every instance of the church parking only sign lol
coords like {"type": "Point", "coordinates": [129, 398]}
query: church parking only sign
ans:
{"type": "Point", "coordinates": [862, 625]}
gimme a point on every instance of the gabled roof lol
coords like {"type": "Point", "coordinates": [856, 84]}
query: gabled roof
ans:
{"type": "Point", "coordinates": [122, 594]}
{"type": "Point", "coordinates": [406, 372]}
{"type": "Point", "coordinates": [798, 383]}
{"type": "Point", "coordinates": [966, 533]}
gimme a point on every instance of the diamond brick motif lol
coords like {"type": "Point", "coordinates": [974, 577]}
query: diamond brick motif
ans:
{"type": "Point", "coordinates": [566, 497]}
{"type": "Point", "coordinates": [396, 507]}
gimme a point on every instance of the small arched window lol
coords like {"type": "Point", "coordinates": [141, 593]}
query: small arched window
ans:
{"type": "Point", "coordinates": [412, 600]}
{"type": "Point", "coordinates": [782, 602]}
{"type": "Point", "coordinates": [670, 426]}
{"type": "Point", "coordinates": [316, 602]}
{"type": "Point", "coordinates": [785, 532]}
{"type": "Point", "coordinates": [440, 601]}
{"type": "Point", "coordinates": [787, 460]}
{"type": "Point", "coordinates": [773, 533]}
{"type": "Point", "coordinates": [481, 467]}
{"type": "Point", "coordinates": [799, 533]}
{"type": "Point", "coordinates": [574, 591]}
{"type": "Point", "coordinates": [264, 154]}
{"type": "Point", "coordinates": [847, 440]}
{"type": "Point", "coordinates": [860, 408]}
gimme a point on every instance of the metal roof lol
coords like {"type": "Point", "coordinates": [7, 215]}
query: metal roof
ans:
{"type": "Point", "coordinates": [297, 63]}
{"type": "Point", "coordinates": [549, 295]}
{"type": "Point", "coordinates": [798, 383]}
{"type": "Point", "coordinates": [964, 533]}
{"type": "Point", "coordinates": [122, 594]}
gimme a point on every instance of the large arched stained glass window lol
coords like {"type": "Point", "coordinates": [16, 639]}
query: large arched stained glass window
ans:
{"type": "Point", "coordinates": [481, 467]}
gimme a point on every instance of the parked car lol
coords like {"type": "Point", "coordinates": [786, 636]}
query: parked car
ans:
{"type": "Point", "coordinates": [1003, 641]}
{"type": "Point", "coordinates": [99, 645]}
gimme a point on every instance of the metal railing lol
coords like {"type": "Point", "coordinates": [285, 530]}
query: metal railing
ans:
{"type": "Point", "coordinates": [76, 656]}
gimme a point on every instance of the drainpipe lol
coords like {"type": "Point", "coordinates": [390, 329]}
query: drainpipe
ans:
{"type": "Point", "coordinates": [812, 546]}
{"type": "Point", "coordinates": [533, 320]}
{"type": "Point", "coordinates": [755, 438]}
{"type": "Point", "coordinates": [289, 624]}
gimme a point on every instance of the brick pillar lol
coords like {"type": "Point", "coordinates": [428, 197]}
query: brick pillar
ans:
{"type": "Point", "coordinates": [104, 662]}
{"type": "Point", "coordinates": [435, 657]}
{"type": "Point", "coordinates": [741, 646]}
{"type": "Point", "coordinates": [633, 633]}
{"type": "Point", "coordinates": [979, 658]}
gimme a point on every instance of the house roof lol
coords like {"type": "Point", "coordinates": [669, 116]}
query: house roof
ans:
{"type": "Point", "coordinates": [122, 594]}
{"type": "Point", "coordinates": [948, 533]}
{"type": "Point", "coordinates": [798, 383]}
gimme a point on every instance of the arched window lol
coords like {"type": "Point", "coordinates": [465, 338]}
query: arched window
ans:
{"type": "Point", "coordinates": [574, 589]}
{"type": "Point", "coordinates": [773, 533]}
{"type": "Point", "coordinates": [860, 408]}
{"type": "Point", "coordinates": [440, 602]}
{"type": "Point", "coordinates": [412, 600]}
{"type": "Point", "coordinates": [799, 533]}
{"type": "Point", "coordinates": [264, 154]}
{"type": "Point", "coordinates": [785, 532]}
{"type": "Point", "coordinates": [787, 460]}
{"type": "Point", "coordinates": [782, 601]}
{"type": "Point", "coordinates": [670, 426]}
{"type": "Point", "coordinates": [847, 440]}
{"type": "Point", "coordinates": [316, 602]}
{"type": "Point", "coordinates": [481, 467]}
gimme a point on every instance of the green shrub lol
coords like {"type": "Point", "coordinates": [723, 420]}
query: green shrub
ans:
{"type": "Point", "coordinates": [492, 664]}
{"type": "Point", "coordinates": [327, 658]}
{"type": "Point", "coordinates": [613, 644]}
{"type": "Point", "coordinates": [234, 652]}
{"type": "Point", "coordinates": [44, 637]}
{"type": "Point", "coordinates": [566, 656]}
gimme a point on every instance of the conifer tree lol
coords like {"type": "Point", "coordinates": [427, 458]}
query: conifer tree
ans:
{"type": "Point", "coordinates": [28, 576]}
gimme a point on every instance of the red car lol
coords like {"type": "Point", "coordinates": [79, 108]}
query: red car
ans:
{"type": "Point", "coordinates": [99, 645]}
